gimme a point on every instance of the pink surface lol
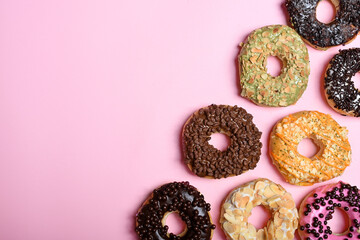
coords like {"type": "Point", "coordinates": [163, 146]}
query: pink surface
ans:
{"type": "Point", "coordinates": [93, 96]}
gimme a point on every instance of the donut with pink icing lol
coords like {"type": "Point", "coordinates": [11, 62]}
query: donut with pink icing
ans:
{"type": "Point", "coordinates": [319, 205]}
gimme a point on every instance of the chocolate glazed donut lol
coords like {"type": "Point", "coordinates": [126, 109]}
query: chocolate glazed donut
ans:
{"type": "Point", "coordinates": [178, 197]}
{"type": "Point", "coordinates": [341, 30]}
{"type": "Point", "coordinates": [340, 90]}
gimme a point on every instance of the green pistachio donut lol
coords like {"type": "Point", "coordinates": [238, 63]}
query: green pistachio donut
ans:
{"type": "Point", "coordinates": [259, 86]}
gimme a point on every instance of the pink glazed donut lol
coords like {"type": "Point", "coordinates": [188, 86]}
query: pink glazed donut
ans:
{"type": "Point", "coordinates": [318, 206]}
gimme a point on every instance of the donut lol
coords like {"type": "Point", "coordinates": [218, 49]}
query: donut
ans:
{"type": "Point", "coordinates": [329, 162]}
{"type": "Point", "coordinates": [236, 210]}
{"type": "Point", "coordinates": [318, 206]}
{"type": "Point", "coordinates": [340, 91]}
{"type": "Point", "coordinates": [259, 86]}
{"type": "Point", "coordinates": [242, 154]}
{"type": "Point", "coordinates": [179, 197]}
{"type": "Point", "coordinates": [343, 29]}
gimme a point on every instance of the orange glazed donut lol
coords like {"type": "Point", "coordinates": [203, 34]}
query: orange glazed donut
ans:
{"type": "Point", "coordinates": [331, 160]}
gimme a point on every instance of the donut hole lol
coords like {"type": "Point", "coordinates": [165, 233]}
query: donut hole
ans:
{"type": "Point", "coordinates": [326, 11]}
{"type": "Point", "coordinates": [220, 141]}
{"type": "Point", "coordinates": [176, 225]}
{"type": "Point", "coordinates": [308, 148]}
{"type": "Point", "coordinates": [274, 65]}
{"type": "Point", "coordinates": [259, 217]}
{"type": "Point", "coordinates": [339, 224]}
{"type": "Point", "coordinates": [356, 80]}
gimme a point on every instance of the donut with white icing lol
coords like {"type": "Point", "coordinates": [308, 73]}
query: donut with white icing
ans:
{"type": "Point", "coordinates": [237, 207]}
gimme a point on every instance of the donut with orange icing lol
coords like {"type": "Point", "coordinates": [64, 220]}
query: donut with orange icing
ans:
{"type": "Point", "coordinates": [329, 162]}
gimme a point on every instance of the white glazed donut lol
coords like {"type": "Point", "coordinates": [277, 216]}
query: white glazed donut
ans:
{"type": "Point", "coordinates": [237, 207]}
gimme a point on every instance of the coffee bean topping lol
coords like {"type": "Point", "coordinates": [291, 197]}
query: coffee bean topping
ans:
{"type": "Point", "coordinates": [243, 152]}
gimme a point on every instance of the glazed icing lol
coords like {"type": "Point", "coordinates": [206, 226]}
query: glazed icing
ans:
{"type": "Point", "coordinates": [317, 209]}
{"type": "Point", "coordinates": [330, 161]}
{"type": "Point", "coordinates": [341, 30]}
{"type": "Point", "coordinates": [259, 86]}
{"type": "Point", "coordinates": [238, 205]}
{"type": "Point", "coordinates": [178, 197]}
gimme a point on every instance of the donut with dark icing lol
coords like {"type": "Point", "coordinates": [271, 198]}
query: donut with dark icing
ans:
{"type": "Point", "coordinates": [318, 208]}
{"type": "Point", "coordinates": [178, 197]}
{"type": "Point", "coordinates": [340, 91]}
{"type": "Point", "coordinates": [242, 154]}
{"type": "Point", "coordinates": [340, 31]}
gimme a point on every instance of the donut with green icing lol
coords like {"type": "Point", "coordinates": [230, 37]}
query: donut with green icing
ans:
{"type": "Point", "coordinates": [261, 87]}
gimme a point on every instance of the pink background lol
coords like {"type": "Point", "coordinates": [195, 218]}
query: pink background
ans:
{"type": "Point", "coordinates": [93, 96]}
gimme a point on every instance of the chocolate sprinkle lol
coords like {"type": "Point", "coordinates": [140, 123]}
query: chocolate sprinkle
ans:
{"type": "Point", "coordinates": [343, 28]}
{"type": "Point", "coordinates": [243, 152]}
{"type": "Point", "coordinates": [177, 197]}
{"type": "Point", "coordinates": [338, 84]}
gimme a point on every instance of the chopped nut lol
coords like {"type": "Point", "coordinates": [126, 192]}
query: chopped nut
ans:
{"type": "Point", "coordinates": [257, 50]}
{"type": "Point", "coordinates": [279, 234]}
{"type": "Point", "coordinates": [248, 191]}
{"type": "Point", "coordinates": [282, 103]}
{"type": "Point", "coordinates": [276, 189]}
{"type": "Point", "coordinates": [268, 193]}
{"type": "Point", "coordinates": [265, 34]}
{"type": "Point", "coordinates": [249, 207]}
{"type": "Point", "coordinates": [291, 75]}
{"type": "Point", "coordinates": [230, 218]}
{"type": "Point", "coordinates": [290, 235]}
{"type": "Point", "coordinates": [260, 235]}
{"type": "Point", "coordinates": [226, 205]}
{"type": "Point", "coordinates": [229, 227]}
{"type": "Point", "coordinates": [249, 93]}
{"type": "Point", "coordinates": [253, 59]}
{"type": "Point", "coordinates": [289, 39]}
{"type": "Point", "coordinates": [243, 201]}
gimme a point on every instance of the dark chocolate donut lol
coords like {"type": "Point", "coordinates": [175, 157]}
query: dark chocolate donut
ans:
{"type": "Point", "coordinates": [177, 197]}
{"type": "Point", "coordinates": [339, 88]}
{"type": "Point", "coordinates": [205, 160]}
{"type": "Point", "coordinates": [341, 30]}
